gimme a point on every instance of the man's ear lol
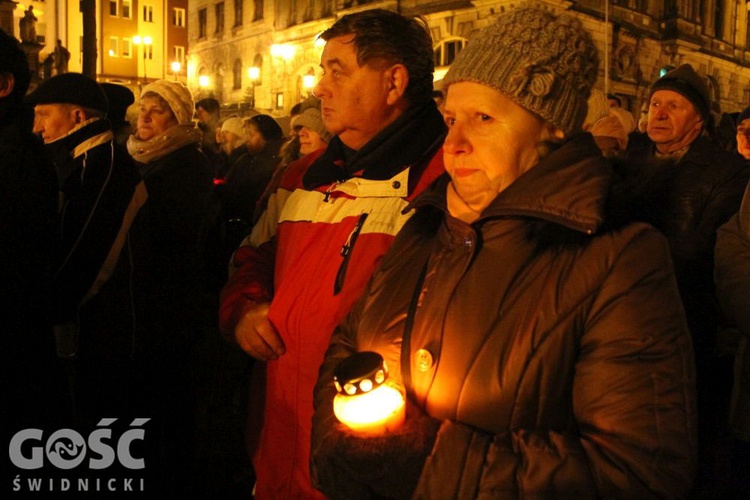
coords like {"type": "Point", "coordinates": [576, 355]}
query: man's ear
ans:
{"type": "Point", "coordinates": [79, 115]}
{"type": "Point", "coordinates": [398, 80]}
{"type": "Point", "coordinates": [7, 82]}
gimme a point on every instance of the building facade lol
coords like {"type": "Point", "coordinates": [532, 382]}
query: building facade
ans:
{"type": "Point", "coordinates": [137, 41]}
{"type": "Point", "coordinates": [263, 54]}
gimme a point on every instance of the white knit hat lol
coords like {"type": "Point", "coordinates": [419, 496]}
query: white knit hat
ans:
{"type": "Point", "coordinates": [234, 125]}
{"type": "Point", "coordinates": [178, 97]}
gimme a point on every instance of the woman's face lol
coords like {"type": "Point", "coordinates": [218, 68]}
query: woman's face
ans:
{"type": "Point", "coordinates": [253, 138]}
{"type": "Point", "coordinates": [309, 141]}
{"type": "Point", "coordinates": [491, 141]}
{"type": "Point", "coordinates": [154, 118]}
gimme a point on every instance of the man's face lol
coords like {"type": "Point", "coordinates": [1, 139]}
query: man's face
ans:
{"type": "Point", "coordinates": [354, 99]}
{"type": "Point", "coordinates": [673, 121]}
{"type": "Point", "coordinates": [202, 115]}
{"type": "Point", "coordinates": [53, 121]}
{"type": "Point", "coordinates": [743, 138]}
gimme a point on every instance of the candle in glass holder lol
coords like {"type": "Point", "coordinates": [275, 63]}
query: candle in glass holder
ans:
{"type": "Point", "coordinates": [368, 400]}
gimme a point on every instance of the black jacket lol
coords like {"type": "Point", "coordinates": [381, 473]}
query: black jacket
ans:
{"type": "Point", "coordinates": [687, 201]}
{"type": "Point", "coordinates": [100, 191]}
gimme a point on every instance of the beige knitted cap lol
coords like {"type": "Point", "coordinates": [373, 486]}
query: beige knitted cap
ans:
{"type": "Point", "coordinates": [545, 63]}
{"type": "Point", "coordinates": [235, 125]}
{"type": "Point", "coordinates": [178, 97]}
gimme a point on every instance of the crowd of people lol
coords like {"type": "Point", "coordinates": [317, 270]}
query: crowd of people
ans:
{"type": "Point", "coordinates": [560, 289]}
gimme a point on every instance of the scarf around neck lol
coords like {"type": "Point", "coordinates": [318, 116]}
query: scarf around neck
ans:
{"type": "Point", "coordinates": [161, 145]}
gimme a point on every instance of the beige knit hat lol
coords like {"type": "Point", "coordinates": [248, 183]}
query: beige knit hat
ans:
{"type": "Point", "coordinates": [598, 108]}
{"type": "Point", "coordinates": [543, 62]}
{"type": "Point", "coordinates": [235, 125]}
{"type": "Point", "coordinates": [178, 97]}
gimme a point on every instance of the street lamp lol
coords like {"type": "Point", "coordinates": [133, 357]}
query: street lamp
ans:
{"type": "Point", "coordinates": [176, 67]}
{"type": "Point", "coordinates": [308, 81]}
{"type": "Point", "coordinates": [146, 41]}
{"type": "Point", "coordinates": [253, 72]}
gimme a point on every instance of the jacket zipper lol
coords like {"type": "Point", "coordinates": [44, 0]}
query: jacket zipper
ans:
{"type": "Point", "coordinates": [346, 252]}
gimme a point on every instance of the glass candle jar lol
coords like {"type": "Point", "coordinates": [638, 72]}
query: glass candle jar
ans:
{"type": "Point", "coordinates": [368, 400]}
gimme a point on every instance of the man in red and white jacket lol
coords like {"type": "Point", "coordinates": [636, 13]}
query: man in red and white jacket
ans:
{"type": "Point", "coordinates": [328, 223]}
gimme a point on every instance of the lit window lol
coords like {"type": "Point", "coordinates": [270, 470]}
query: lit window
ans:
{"type": "Point", "coordinates": [179, 54]}
{"type": "Point", "coordinates": [447, 51]}
{"type": "Point", "coordinates": [114, 46]}
{"type": "Point", "coordinates": [178, 17]}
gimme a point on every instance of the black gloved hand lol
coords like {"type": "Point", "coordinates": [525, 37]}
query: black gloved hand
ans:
{"type": "Point", "coordinates": [387, 466]}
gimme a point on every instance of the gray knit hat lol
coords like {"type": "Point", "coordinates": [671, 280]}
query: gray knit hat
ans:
{"type": "Point", "coordinates": [313, 120]}
{"type": "Point", "coordinates": [545, 63]}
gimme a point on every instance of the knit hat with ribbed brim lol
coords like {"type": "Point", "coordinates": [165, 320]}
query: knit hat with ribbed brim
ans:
{"type": "Point", "coordinates": [178, 97]}
{"type": "Point", "coordinates": [70, 88]}
{"type": "Point", "coordinates": [545, 63]}
{"type": "Point", "coordinates": [312, 120]}
{"type": "Point", "coordinates": [685, 81]}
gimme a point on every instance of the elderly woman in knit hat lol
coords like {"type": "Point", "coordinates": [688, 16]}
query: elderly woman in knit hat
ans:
{"type": "Point", "coordinates": [312, 133]}
{"type": "Point", "coordinates": [543, 340]}
{"type": "Point", "coordinates": [169, 239]}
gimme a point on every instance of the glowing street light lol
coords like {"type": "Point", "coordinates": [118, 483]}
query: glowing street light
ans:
{"type": "Point", "coordinates": [176, 66]}
{"type": "Point", "coordinates": [146, 41]}
{"type": "Point", "coordinates": [204, 81]}
{"type": "Point", "coordinates": [253, 72]}
{"type": "Point", "coordinates": [308, 81]}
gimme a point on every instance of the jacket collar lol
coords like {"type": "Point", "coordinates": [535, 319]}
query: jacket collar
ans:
{"type": "Point", "coordinates": [404, 142]}
{"type": "Point", "coordinates": [568, 187]}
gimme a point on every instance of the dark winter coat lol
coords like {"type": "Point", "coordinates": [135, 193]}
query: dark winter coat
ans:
{"type": "Point", "coordinates": [31, 395]}
{"type": "Point", "coordinates": [733, 290]}
{"type": "Point", "coordinates": [687, 201]}
{"type": "Point", "coordinates": [246, 180]}
{"type": "Point", "coordinates": [550, 343]}
{"type": "Point", "coordinates": [100, 194]}
{"type": "Point", "coordinates": [169, 244]}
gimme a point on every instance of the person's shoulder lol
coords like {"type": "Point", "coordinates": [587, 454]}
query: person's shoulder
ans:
{"type": "Point", "coordinates": [294, 172]}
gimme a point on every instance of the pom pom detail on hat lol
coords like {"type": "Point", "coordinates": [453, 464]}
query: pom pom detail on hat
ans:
{"type": "Point", "coordinates": [545, 63]}
{"type": "Point", "coordinates": [178, 97]}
